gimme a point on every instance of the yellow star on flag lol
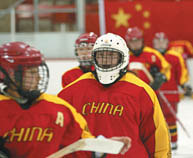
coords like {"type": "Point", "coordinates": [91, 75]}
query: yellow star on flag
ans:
{"type": "Point", "coordinates": [146, 25]}
{"type": "Point", "coordinates": [138, 7]}
{"type": "Point", "coordinates": [146, 14]}
{"type": "Point", "coordinates": [121, 18]}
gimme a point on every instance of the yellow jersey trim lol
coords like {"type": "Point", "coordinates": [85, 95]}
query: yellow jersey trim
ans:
{"type": "Point", "coordinates": [77, 116]}
{"type": "Point", "coordinates": [161, 150]}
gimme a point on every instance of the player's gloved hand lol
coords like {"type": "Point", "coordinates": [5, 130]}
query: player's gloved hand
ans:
{"type": "Point", "coordinates": [4, 152]}
{"type": "Point", "coordinates": [188, 90]}
{"type": "Point", "coordinates": [159, 79]}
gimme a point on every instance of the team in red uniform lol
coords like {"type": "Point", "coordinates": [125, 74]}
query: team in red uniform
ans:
{"type": "Point", "coordinates": [35, 124]}
{"type": "Point", "coordinates": [144, 59]}
{"type": "Point", "coordinates": [179, 76]}
{"type": "Point", "coordinates": [83, 48]}
{"type": "Point", "coordinates": [116, 102]}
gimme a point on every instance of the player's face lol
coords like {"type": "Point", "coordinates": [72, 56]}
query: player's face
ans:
{"type": "Point", "coordinates": [84, 52]}
{"type": "Point", "coordinates": [135, 44]}
{"type": "Point", "coordinates": [160, 44]}
{"type": "Point", "coordinates": [107, 59]}
{"type": "Point", "coordinates": [31, 78]}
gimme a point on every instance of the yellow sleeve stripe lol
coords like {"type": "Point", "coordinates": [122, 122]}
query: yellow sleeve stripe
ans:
{"type": "Point", "coordinates": [161, 134]}
{"type": "Point", "coordinates": [165, 65]}
{"type": "Point", "coordinates": [77, 116]}
{"type": "Point", "coordinates": [184, 76]}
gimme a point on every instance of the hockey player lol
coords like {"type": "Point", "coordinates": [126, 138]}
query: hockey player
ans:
{"type": "Point", "coordinates": [83, 47]}
{"type": "Point", "coordinates": [185, 48]}
{"type": "Point", "coordinates": [149, 59]}
{"type": "Point", "coordinates": [116, 102]}
{"type": "Point", "coordinates": [33, 124]}
{"type": "Point", "coordinates": [179, 76]}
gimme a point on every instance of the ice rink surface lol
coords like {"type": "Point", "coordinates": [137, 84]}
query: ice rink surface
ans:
{"type": "Point", "coordinates": [185, 107]}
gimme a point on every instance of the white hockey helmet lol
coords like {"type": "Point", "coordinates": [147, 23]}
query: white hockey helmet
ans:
{"type": "Point", "coordinates": [111, 43]}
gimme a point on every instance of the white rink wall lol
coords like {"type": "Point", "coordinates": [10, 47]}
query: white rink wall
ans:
{"type": "Point", "coordinates": [57, 68]}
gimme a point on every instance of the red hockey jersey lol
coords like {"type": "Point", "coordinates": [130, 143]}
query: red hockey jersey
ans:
{"type": "Point", "coordinates": [129, 107]}
{"type": "Point", "coordinates": [179, 75]}
{"type": "Point", "coordinates": [48, 125]}
{"type": "Point", "coordinates": [150, 57]}
{"type": "Point", "coordinates": [71, 75]}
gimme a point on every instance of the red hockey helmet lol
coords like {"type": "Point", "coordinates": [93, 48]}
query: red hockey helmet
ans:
{"type": "Point", "coordinates": [133, 33]}
{"type": "Point", "coordinates": [160, 36]}
{"type": "Point", "coordinates": [16, 59]}
{"type": "Point", "coordinates": [86, 38]}
{"type": "Point", "coordinates": [18, 53]}
{"type": "Point", "coordinates": [83, 50]}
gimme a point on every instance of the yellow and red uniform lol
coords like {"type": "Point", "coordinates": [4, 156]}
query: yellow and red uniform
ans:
{"type": "Point", "coordinates": [179, 76]}
{"type": "Point", "coordinates": [128, 107]}
{"type": "Point", "coordinates": [151, 57]}
{"type": "Point", "coordinates": [48, 125]}
{"type": "Point", "coordinates": [183, 47]}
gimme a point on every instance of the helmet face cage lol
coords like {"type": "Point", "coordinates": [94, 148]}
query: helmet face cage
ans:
{"type": "Point", "coordinates": [111, 58]}
{"type": "Point", "coordinates": [160, 42]}
{"type": "Point", "coordinates": [108, 59]}
{"type": "Point", "coordinates": [84, 53]}
{"type": "Point", "coordinates": [35, 78]}
{"type": "Point", "coordinates": [83, 48]}
{"type": "Point", "coordinates": [22, 69]}
{"type": "Point", "coordinates": [25, 79]}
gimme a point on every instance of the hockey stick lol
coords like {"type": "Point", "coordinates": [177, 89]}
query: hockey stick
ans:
{"type": "Point", "coordinates": [173, 112]}
{"type": "Point", "coordinates": [108, 146]}
{"type": "Point", "coordinates": [140, 66]}
{"type": "Point", "coordinates": [174, 92]}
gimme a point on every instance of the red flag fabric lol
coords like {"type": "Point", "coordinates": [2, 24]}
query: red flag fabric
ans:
{"type": "Point", "coordinates": [173, 18]}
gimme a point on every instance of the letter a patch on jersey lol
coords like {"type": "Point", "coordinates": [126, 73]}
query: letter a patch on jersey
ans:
{"type": "Point", "coordinates": [60, 119]}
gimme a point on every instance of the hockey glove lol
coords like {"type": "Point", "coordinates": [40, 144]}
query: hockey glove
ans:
{"type": "Point", "coordinates": [154, 70]}
{"type": "Point", "coordinates": [4, 152]}
{"type": "Point", "coordinates": [159, 79]}
{"type": "Point", "coordinates": [188, 90]}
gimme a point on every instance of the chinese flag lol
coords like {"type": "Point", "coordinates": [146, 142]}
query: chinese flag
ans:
{"type": "Point", "coordinates": [173, 18]}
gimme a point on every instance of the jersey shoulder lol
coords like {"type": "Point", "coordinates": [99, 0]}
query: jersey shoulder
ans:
{"type": "Point", "coordinates": [85, 76]}
{"type": "Point", "coordinates": [138, 83]}
{"type": "Point", "coordinates": [72, 70]}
